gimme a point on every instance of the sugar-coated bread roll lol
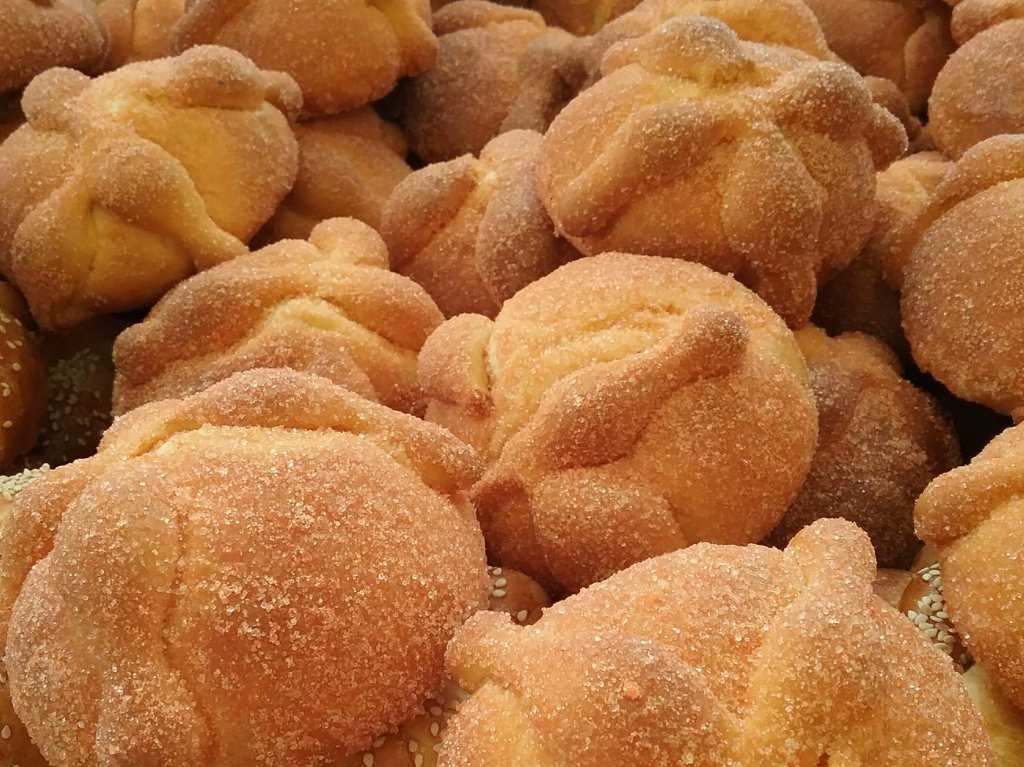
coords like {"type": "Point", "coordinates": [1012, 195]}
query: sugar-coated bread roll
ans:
{"type": "Point", "coordinates": [1003, 721]}
{"type": "Point", "coordinates": [906, 41]}
{"type": "Point", "coordinates": [755, 159]}
{"type": "Point", "coordinates": [122, 186]}
{"type": "Point", "coordinates": [881, 440]}
{"type": "Point", "coordinates": [265, 573]}
{"type": "Point", "coordinates": [38, 34]}
{"type": "Point", "coordinates": [329, 306]}
{"type": "Point", "coordinates": [138, 29]}
{"type": "Point", "coordinates": [963, 280]}
{"type": "Point", "coordinates": [978, 93]}
{"type": "Point", "coordinates": [348, 166]}
{"type": "Point", "coordinates": [784, 23]}
{"type": "Point", "coordinates": [472, 231]}
{"type": "Point", "coordinates": [461, 103]}
{"type": "Point", "coordinates": [629, 406]}
{"type": "Point", "coordinates": [553, 69]}
{"type": "Point", "coordinates": [974, 516]}
{"type": "Point", "coordinates": [712, 656]}
{"type": "Point", "coordinates": [864, 297]}
{"type": "Point", "coordinates": [343, 53]}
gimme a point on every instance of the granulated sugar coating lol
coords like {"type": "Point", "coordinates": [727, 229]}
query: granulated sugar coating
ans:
{"type": "Point", "coordinates": [348, 166]}
{"type": "Point", "coordinates": [963, 291]}
{"type": "Point", "coordinates": [881, 440]}
{"type": "Point", "coordinates": [974, 515]}
{"type": "Point", "coordinates": [977, 93]}
{"type": "Point", "coordinates": [343, 53]}
{"type": "Point", "coordinates": [328, 306]}
{"type": "Point", "coordinates": [265, 573]}
{"type": "Point", "coordinates": [716, 656]}
{"type": "Point", "coordinates": [755, 159]}
{"type": "Point", "coordinates": [35, 36]}
{"type": "Point", "coordinates": [473, 231]}
{"type": "Point", "coordinates": [120, 187]}
{"type": "Point", "coordinates": [669, 406]}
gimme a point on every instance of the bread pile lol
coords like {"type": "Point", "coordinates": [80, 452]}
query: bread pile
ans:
{"type": "Point", "coordinates": [533, 383]}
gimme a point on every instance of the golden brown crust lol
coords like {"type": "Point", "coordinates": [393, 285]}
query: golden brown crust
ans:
{"type": "Point", "coordinates": [763, 156]}
{"type": "Point", "coordinates": [777, 23]}
{"type": "Point", "coordinates": [905, 42]}
{"type": "Point", "coordinates": [138, 30]}
{"type": "Point", "coordinates": [711, 656]}
{"type": "Point", "coordinates": [880, 442]}
{"type": "Point", "coordinates": [343, 53]}
{"type": "Point", "coordinates": [348, 166]}
{"type": "Point", "coordinates": [38, 34]}
{"type": "Point", "coordinates": [119, 187]}
{"type": "Point", "coordinates": [461, 103]}
{"type": "Point", "coordinates": [602, 392]}
{"type": "Point", "coordinates": [267, 573]}
{"type": "Point", "coordinates": [328, 306]}
{"type": "Point", "coordinates": [963, 290]}
{"type": "Point", "coordinates": [974, 515]}
{"type": "Point", "coordinates": [976, 95]}
{"type": "Point", "coordinates": [472, 231]}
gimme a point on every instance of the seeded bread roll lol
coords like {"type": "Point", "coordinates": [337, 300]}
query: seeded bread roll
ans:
{"type": "Point", "coordinates": [881, 441]}
{"type": "Point", "coordinates": [472, 231]}
{"type": "Point", "coordinates": [629, 406]}
{"type": "Point", "coordinates": [343, 53]}
{"type": "Point", "coordinates": [978, 93]}
{"type": "Point", "coordinates": [79, 390]}
{"type": "Point", "coordinates": [138, 30]}
{"type": "Point", "coordinates": [963, 280]}
{"type": "Point", "coordinates": [711, 656]}
{"type": "Point", "coordinates": [122, 186]}
{"type": "Point", "coordinates": [328, 306]}
{"type": "Point", "coordinates": [906, 41]}
{"type": "Point", "coordinates": [757, 160]}
{"type": "Point", "coordinates": [38, 34]}
{"type": "Point", "coordinates": [974, 517]}
{"type": "Point", "coordinates": [266, 573]}
{"type": "Point", "coordinates": [348, 166]}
